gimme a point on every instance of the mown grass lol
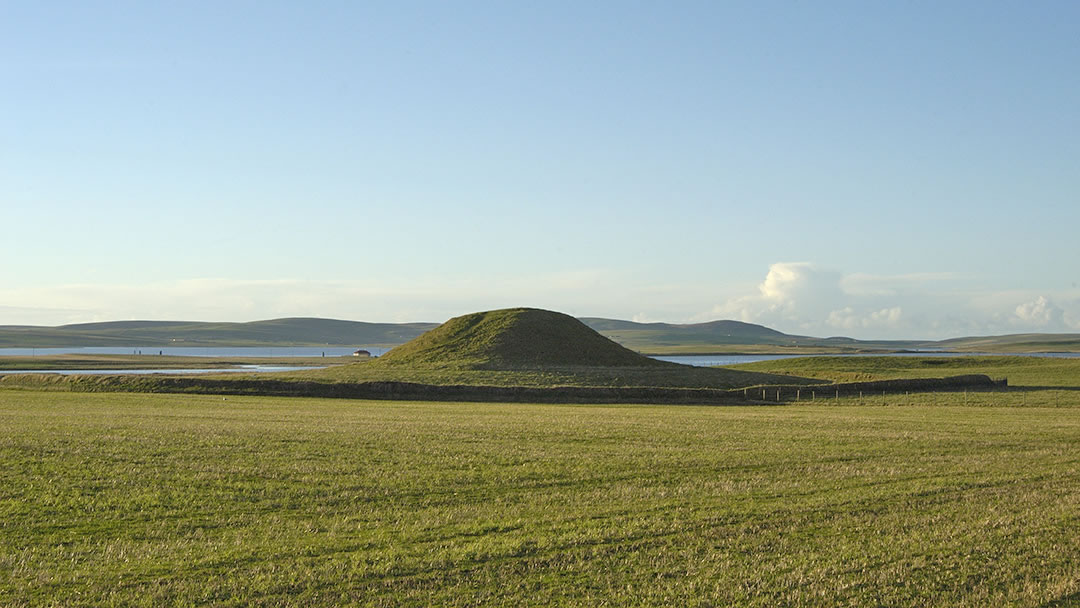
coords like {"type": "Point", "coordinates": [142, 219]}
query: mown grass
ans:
{"type": "Point", "coordinates": [1020, 371]}
{"type": "Point", "coordinates": [180, 500]}
{"type": "Point", "coordinates": [670, 375]}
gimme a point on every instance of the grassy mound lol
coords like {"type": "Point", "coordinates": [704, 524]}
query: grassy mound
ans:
{"type": "Point", "coordinates": [514, 338]}
{"type": "Point", "coordinates": [527, 347]}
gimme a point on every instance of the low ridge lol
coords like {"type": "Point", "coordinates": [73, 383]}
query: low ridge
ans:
{"type": "Point", "coordinates": [514, 338]}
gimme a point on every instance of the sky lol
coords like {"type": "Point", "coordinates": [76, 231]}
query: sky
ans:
{"type": "Point", "coordinates": [868, 169]}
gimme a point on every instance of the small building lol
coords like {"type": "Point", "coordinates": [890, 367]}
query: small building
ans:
{"type": "Point", "coordinates": [361, 353]}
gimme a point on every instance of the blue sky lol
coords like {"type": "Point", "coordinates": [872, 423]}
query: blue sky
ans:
{"type": "Point", "coordinates": [906, 169]}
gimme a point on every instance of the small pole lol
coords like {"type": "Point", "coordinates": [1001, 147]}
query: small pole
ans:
{"type": "Point", "coordinates": [778, 395]}
{"type": "Point", "coordinates": [763, 394]}
{"type": "Point", "coordinates": [798, 394]}
{"type": "Point", "coordinates": [837, 394]}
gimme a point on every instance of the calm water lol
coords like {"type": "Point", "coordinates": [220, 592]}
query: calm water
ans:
{"type": "Point", "coordinates": [708, 360]}
{"type": "Point", "coordinates": [336, 351]}
{"type": "Point", "coordinates": [105, 372]}
{"type": "Point", "coordinates": [197, 351]}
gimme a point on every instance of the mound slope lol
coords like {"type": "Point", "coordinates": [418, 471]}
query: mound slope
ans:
{"type": "Point", "coordinates": [514, 338]}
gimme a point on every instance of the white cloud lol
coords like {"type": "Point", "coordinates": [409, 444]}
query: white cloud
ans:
{"type": "Point", "coordinates": [795, 294]}
{"type": "Point", "coordinates": [432, 299]}
{"type": "Point", "coordinates": [804, 298]}
{"type": "Point", "coordinates": [1043, 313]}
{"type": "Point", "coordinates": [848, 318]}
{"type": "Point", "coordinates": [794, 297]}
{"type": "Point", "coordinates": [864, 284]}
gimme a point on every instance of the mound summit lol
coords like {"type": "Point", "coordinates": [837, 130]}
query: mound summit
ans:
{"type": "Point", "coordinates": [514, 338]}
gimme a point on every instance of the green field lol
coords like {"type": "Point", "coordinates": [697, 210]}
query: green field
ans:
{"type": "Point", "coordinates": [552, 376]}
{"type": "Point", "coordinates": [1030, 372]}
{"type": "Point", "coordinates": [181, 500]}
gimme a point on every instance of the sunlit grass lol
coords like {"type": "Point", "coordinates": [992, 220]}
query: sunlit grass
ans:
{"type": "Point", "coordinates": [121, 499]}
{"type": "Point", "coordinates": [1020, 371]}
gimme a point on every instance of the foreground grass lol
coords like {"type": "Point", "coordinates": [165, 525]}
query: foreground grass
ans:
{"type": "Point", "coordinates": [120, 499]}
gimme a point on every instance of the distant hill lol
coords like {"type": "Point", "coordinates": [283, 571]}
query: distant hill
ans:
{"type": "Point", "coordinates": [514, 338]}
{"type": "Point", "coordinates": [283, 332]}
{"type": "Point", "coordinates": [651, 338]}
{"type": "Point", "coordinates": [713, 332]}
{"type": "Point", "coordinates": [726, 336]}
{"type": "Point", "coordinates": [1015, 343]}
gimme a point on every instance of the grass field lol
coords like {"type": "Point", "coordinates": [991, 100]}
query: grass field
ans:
{"type": "Point", "coordinates": [666, 376]}
{"type": "Point", "coordinates": [159, 500]}
{"type": "Point", "coordinates": [1030, 372]}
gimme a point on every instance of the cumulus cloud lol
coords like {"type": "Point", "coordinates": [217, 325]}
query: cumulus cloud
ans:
{"type": "Point", "coordinates": [793, 293]}
{"type": "Point", "coordinates": [1043, 313]}
{"type": "Point", "coordinates": [804, 298]}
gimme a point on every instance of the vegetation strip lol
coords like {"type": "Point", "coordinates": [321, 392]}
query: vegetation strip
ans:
{"type": "Point", "coordinates": [411, 391]}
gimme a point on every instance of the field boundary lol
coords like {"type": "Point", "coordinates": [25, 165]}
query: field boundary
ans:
{"type": "Point", "coordinates": [412, 391]}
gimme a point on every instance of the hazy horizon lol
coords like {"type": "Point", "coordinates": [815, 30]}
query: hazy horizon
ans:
{"type": "Point", "coordinates": [421, 321]}
{"type": "Point", "coordinates": [827, 169]}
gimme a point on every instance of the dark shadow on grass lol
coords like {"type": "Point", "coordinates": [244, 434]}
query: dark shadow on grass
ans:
{"type": "Point", "coordinates": [1033, 388]}
{"type": "Point", "coordinates": [1065, 601]}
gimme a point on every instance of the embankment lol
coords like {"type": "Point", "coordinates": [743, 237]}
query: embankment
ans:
{"type": "Point", "coordinates": [411, 391]}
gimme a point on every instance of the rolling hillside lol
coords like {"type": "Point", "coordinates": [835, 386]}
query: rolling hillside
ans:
{"type": "Point", "coordinates": [285, 332]}
{"type": "Point", "coordinates": [650, 338]}
{"type": "Point", "coordinates": [1015, 343]}
{"type": "Point", "coordinates": [727, 336]}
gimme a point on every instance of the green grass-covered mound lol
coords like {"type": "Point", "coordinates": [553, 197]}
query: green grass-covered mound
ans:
{"type": "Point", "coordinates": [514, 338]}
{"type": "Point", "coordinates": [527, 347]}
